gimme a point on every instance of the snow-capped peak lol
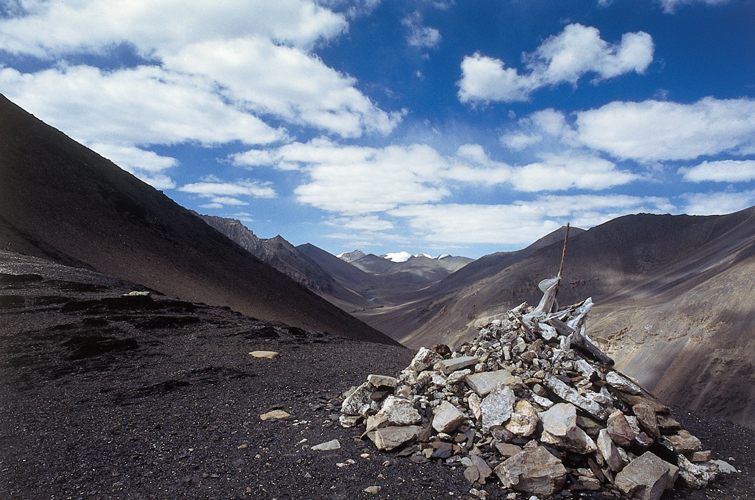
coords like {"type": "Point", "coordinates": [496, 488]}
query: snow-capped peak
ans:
{"type": "Point", "coordinates": [404, 256]}
{"type": "Point", "coordinates": [398, 256]}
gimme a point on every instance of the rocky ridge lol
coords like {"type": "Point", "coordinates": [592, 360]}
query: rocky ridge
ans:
{"type": "Point", "coordinates": [532, 403]}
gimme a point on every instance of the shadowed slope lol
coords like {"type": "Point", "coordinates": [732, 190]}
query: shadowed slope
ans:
{"type": "Point", "coordinates": [61, 200]}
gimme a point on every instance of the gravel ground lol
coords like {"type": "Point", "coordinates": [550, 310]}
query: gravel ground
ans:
{"type": "Point", "coordinates": [103, 396]}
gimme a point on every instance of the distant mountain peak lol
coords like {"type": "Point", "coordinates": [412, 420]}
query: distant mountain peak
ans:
{"type": "Point", "coordinates": [351, 256]}
{"type": "Point", "coordinates": [405, 256]}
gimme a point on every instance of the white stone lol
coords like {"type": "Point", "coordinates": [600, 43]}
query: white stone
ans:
{"type": "Point", "coordinates": [448, 366]}
{"type": "Point", "coordinates": [447, 417]}
{"type": "Point", "coordinates": [497, 407]}
{"type": "Point", "coordinates": [486, 382]}
{"type": "Point", "coordinates": [327, 446]}
{"type": "Point", "coordinates": [400, 411]}
{"type": "Point", "coordinates": [389, 438]}
{"type": "Point", "coordinates": [622, 383]}
{"type": "Point", "coordinates": [424, 359]}
{"type": "Point", "coordinates": [382, 381]}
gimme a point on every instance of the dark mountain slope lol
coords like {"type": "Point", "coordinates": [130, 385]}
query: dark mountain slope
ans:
{"type": "Point", "coordinates": [61, 199]}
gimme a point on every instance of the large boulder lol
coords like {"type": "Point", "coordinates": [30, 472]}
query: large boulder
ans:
{"type": "Point", "coordinates": [534, 470]}
{"type": "Point", "coordinates": [645, 478]}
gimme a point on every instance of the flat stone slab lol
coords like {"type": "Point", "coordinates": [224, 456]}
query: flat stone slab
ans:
{"type": "Point", "coordinates": [278, 414]}
{"type": "Point", "coordinates": [327, 446]}
{"type": "Point", "coordinates": [484, 383]}
{"type": "Point", "coordinates": [382, 381]}
{"type": "Point", "coordinates": [451, 365]}
{"type": "Point", "coordinates": [265, 354]}
{"type": "Point", "coordinates": [389, 438]}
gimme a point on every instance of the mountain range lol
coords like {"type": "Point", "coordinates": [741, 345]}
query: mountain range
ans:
{"type": "Point", "coordinates": [64, 202]}
{"type": "Point", "coordinates": [673, 294]}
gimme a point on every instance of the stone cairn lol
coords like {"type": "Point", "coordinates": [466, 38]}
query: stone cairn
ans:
{"type": "Point", "coordinates": [533, 402]}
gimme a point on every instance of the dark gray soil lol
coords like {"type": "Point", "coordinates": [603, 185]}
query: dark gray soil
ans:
{"type": "Point", "coordinates": [104, 396]}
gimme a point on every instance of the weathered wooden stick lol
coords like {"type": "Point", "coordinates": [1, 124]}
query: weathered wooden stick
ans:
{"type": "Point", "coordinates": [563, 256]}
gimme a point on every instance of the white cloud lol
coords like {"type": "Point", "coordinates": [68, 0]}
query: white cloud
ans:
{"type": "Point", "coordinates": [380, 180]}
{"type": "Point", "coordinates": [720, 203]}
{"type": "Point", "coordinates": [520, 222]}
{"type": "Point", "coordinates": [720, 171]}
{"type": "Point", "coordinates": [561, 172]}
{"type": "Point", "coordinates": [285, 82]}
{"type": "Point", "coordinates": [227, 193]}
{"type": "Point", "coordinates": [517, 141]}
{"type": "Point", "coordinates": [146, 165]}
{"type": "Point", "coordinates": [95, 106]}
{"type": "Point", "coordinates": [356, 180]}
{"type": "Point", "coordinates": [420, 36]}
{"type": "Point", "coordinates": [563, 58]}
{"type": "Point", "coordinates": [211, 72]}
{"type": "Point", "coordinates": [160, 27]}
{"type": "Point", "coordinates": [655, 131]}
{"type": "Point", "coordinates": [367, 223]}
{"type": "Point", "coordinates": [670, 6]}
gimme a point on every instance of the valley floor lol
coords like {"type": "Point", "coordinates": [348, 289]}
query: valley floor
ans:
{"type": "Point", "coordinates": [105, 396]}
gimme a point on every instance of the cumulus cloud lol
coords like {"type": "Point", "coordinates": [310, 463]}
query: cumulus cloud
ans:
{"type": "Point", "coordinates": [93, 105]}
{"type": "Point", "coordinates": [419, 35]}
{"type": "Point", "coordinates": [208, 68]}
{"type": "Point", "coordinates": [720, 171]}
{"type": "Point", "coordinates": [655, 131]}
{"type": "Point", "coordinates": [356, 180]}
{"type": "Point", "coordinates": [285, 82]}
{"type": "Point", "coordinates": [145, 165]}
{"type": "Point", "coordinates": [49, 29]}
{"type": "Point", "coordinates": [562, 58]}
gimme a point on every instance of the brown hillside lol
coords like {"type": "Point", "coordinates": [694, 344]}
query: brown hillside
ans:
{"type": "Point", "coordinates": [61, 200]}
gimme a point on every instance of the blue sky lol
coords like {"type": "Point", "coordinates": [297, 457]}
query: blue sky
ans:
{"type": "Point", "coordinates": [436, 126]}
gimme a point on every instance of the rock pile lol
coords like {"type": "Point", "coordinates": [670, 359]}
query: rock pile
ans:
{"type": "Point", "coordinates": [532, 402]}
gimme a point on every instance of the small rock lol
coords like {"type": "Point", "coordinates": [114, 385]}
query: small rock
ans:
{"type": "Point", "coordinates": [265, 354]}
{"type": "Point", "coordinates": [382, 381]}
{"type": "Point", "coordinates": [424, 359]}
{"type": "Point", "coordinates": [327, 446]}
{"type": "Point", "coordinates": [372, 490]}
{"type": "Point", "coordinates": [486, 382]}
{"type": "Point", "coordinates": [619, 430]}
{"type": "Point", "coordinates": [448, 366]}
{"type": "Point", "coordinates": [609, 451]}
{"type": "Point", "coordinates": [523, 421]}
{"type": "Point", "coordinates": [684, 442]}
{"type": "Point", "coordinates": [389, 438]}
{"type": "Point", "coordinates": [277, 414]}
{"type": "Point", "coordinates": [497, 407]}
{"type": "Point", "coordinates": [447, 417]}
{"type": "Point", "coordinates": [622, 383]}
{"type": "Point", "coordinates": [400, 411]}
{"type": "Point", "coordinates": [724, 467]}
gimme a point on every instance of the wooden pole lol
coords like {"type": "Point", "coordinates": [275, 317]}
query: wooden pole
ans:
{"type": "Point", "coordinates": [563, 256]}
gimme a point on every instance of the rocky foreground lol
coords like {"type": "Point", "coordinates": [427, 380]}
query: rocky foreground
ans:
{"type": "Point", "coordinates": [533, 403]}
{"type": "Point", "coordinates": [110, 394]}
